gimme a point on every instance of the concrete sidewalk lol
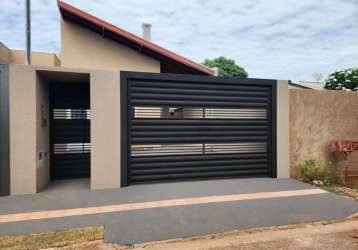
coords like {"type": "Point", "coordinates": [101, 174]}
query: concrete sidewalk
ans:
{"type": "Point", "coordinates": [76, 193]}
{"type": "Point", "coordinates": [224, 205]}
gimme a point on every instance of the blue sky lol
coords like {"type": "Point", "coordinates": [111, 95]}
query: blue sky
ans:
{"type": "Point", "coordinates": [282, 39]}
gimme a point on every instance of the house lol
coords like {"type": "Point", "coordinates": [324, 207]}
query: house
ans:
{"type": "Point", "coordinates": [91, 43]}
{"type": "Point", "coordinates": [81, 114]}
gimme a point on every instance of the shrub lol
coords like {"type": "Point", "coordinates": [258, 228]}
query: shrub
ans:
{"type": "Point", "coordinates": [313, 172]}
{"type": "Point", "coordinates": [336, 176]}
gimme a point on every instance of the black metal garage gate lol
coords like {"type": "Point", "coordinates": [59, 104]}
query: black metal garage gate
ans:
{"type": "Point", "coordinates": [184, 127]}
{"type": "Point", "coordinates": [70, 130]}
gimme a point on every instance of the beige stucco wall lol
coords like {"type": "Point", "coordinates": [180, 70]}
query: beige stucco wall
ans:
{"type": "Point", "coordinates": [105, 130]}
{"type": "Point", "coordinates": [4, 53]}
{"type": "Point", "coordinates": [42, 132]}
{"type": "Point", "coordinates": [316, 118]}
{"type": "Point", "coordinates": [37, 58]}
{"type": "Point", "coordinates": [82, 48]}
{"type": "Point", "coordinates": [22, 129]}
{"type": "Point", "coordinates": [28, 91]}
{"type": "Point", "coordinates": [57, 61]}
{"type": "Point", "coordinates": [283, 154]}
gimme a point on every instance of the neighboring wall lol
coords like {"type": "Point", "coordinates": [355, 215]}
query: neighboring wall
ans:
{"type": "Point", "coordinates": [316, 118]}
{"type": "Point", "coordinates": [11, 56]}
{"type": "Point", "coordinates": [37, 58]}
{"type": "Point", "coordinates": [4, 53]}
{"type": "Point", "coordinates": [82, 48]}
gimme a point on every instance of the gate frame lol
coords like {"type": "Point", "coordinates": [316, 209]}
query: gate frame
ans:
{"type": "Point", "coordinates": [4, 129]}
{"type": "Point", "coordinates": [51, 127]}
{"type": "Point", "coordinates": [125, 109]}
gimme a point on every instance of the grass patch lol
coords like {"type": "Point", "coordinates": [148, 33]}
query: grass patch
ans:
{"type": "Point", "coordinates": [331, 189]}
{"type": "Point", "coordinates": [326, 176]}
{"type": "Point", "coordinates": [55, 239]}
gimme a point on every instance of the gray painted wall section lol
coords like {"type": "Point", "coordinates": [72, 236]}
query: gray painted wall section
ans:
{"type": "Point", "coordinates": [4, 131]}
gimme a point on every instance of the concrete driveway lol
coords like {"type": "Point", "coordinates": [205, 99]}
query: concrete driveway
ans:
{"type": "Point", "coordinates": [165, 211]}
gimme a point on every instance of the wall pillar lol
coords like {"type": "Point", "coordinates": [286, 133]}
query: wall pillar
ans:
{"type": "Point", "coordinates": [283, 108]}
{"type": "Point", "coordinates": [105, 130]}
{"type": "Point", "coordinates": [22, 129]}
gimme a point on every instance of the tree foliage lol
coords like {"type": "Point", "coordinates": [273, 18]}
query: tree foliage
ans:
{"type": "Point", "coordinates": [346, 79]}
{"type": "Point", "coordinates": [227, 67]}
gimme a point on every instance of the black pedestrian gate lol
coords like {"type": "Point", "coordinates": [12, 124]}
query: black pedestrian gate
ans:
{"type": "Point", "coordinates": [70, 130]}
{"type": "Point", "coordinates": [186, 127]}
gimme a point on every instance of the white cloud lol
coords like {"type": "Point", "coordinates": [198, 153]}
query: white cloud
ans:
{"type": "Point", "coordinates": [284, 39]}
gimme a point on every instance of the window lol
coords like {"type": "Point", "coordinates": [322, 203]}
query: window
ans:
{"type": "Point", "coordinates": [198, 113]}
{"type": "Point", "coordinates": [212, 148]}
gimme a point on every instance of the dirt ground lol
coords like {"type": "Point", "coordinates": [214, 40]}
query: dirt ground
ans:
{"type": "Point", "coordinates": [323, 235]}
{"type": "Point", "coordinates": [349, 192]}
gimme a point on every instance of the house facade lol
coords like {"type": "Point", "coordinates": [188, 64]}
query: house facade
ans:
{"type": "Point", "coordinates": [65, 115]}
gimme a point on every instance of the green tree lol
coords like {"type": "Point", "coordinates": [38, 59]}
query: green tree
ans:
{"type": "Point", "coordinates": [227, 67]}
{"type": "Point", "coordinates": [346, 79]}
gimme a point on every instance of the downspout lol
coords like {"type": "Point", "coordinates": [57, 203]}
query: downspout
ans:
{"type": "Point", "coordinates": [28, 32]}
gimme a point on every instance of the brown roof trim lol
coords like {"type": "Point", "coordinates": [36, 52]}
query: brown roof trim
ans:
{"type": "Point", "coordinates": [121, 34]}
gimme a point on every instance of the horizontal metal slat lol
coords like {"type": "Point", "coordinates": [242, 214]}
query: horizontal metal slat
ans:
{"type": "Point", "coordinates": [71, 131]}
{"type": "Point", "coordinates": [187, 103]}
{"type": "Point", "coordinates": [191, 158]}
{"type": "Point", "coordinates": [70, 166]}
{"type": "Point", "coordinates": [149, 125]}
{"type": "Point", "coordinates": [79, 168]}
{"type": "Point", "coordinates": [176, 176]}
{"type": "Point", "coordinates": [71, 157]}
{"type": "Point", "coordinates": [135, 97]}
{"type": "Point", "coordinates": [57, 176]}
{"type": "Point", "coordinates": [71, 139]}
{"type": "Point", "coordinates": [74, 131]}
{"type": "Point", "coordinates": [201, 86]}
{"type": "Point", "coordinates": [68, 123]}
{"type": "Point", "coordinates": [195, 128]}
{"type": "Point", "coordinates": [197, 132]}
{"type": "Point", "coordinates": [198, 139]}
{"type": "Point", "coordinates": [181, 170]}
{"type": "Point", "coordinates": [70, 172]}
{"type": "Point", "coordinates": [219, 92]}
{"type": "Point", "coordinates": [155, 165]}
{"type": "Point", "coordinates": [196, 122]}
